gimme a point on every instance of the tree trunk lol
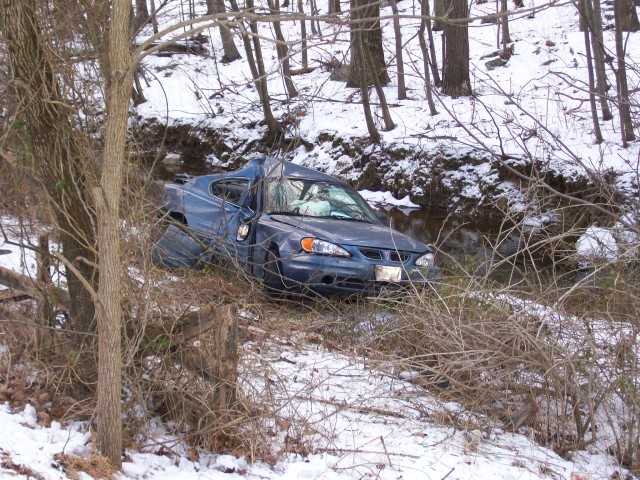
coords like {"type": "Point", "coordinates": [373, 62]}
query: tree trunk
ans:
{"type": "Point", "coordinates": [247, 45]}
{"type": "Point", "coordinates": [384, 107]}
{"type": "Point", "coordinates": [107, 196]}
{"type": "Point", "coordinates": [433, 61]}
{"type": "Point", "coordinates": [504, 21]}
{"type": "Point", "coordinates": [229, 48]}
{"type": "Point", "coordinates": [628, 16]}
{"type": "Point", "coordinates": [455, 78]}
{"type": "Point", "coordinates": [424, 10]}
{"type": "Point", "coordinates": [357, 42]}
{"type": "Point", "coordinates": [154, 18]}
{"type": "Point", "coordinates": [439, 12]}
{"type": "Point", "coordinates": [592, 86]}
{"type": "Point", "coordinates": [303, 36]}
{"type": "Point", "coordinates": [402, 89]}
{"type": "Point", "coordinates": [365, 18]}
{"type": "Point", "coordinates": [282, 50]}
{"type": "Point", "coordinates": [142, 13]}
{"type": "Point", "coordinates": [334, 7]}
{"type": "Point", "coordinates": [593, 12]}
{"type": "Point", "coordinates": [619, 8]}
{"type": "Point", "coordinates": [261, 80]}
{"type": "Point", "coordinates": [63, 160]}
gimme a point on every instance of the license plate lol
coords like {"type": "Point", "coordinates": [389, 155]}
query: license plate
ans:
{"type": "Point", "coordinates": [385, 273]}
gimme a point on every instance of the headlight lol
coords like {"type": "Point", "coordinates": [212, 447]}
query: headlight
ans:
{"type": "Point", "coordinates": [313, 245]}
{"type": "Point", "coordinates": [243, 231]}
{"type": "Point", "coordinates": [426, 260]}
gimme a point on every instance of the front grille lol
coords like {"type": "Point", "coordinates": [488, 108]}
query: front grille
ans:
{"type": "Point", "coordinates": [371, 254]}
{"type": "Point", "coordinates": [394, 256]}
{"type": "Point", "coordinates": [401, 257]}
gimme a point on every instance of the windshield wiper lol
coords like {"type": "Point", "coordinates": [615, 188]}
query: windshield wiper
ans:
{"type": "Point", "coordinates": [340, 217]}
{"type": "Point", "coordinates": [284, 212]}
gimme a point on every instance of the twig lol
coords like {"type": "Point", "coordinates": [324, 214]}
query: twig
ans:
{"type": "Point", "coordinates": [384, 445]}
{"type": "Point", "coordinates": [450, 472]}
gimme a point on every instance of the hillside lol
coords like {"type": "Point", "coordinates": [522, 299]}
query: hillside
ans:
{"type": "Point", "coordinates": [531, 115]}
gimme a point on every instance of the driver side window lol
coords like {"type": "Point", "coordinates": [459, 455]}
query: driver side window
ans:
{"type": "Point", "coordinates": [229, 189]}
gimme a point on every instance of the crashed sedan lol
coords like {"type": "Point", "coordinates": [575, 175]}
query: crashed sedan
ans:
{"type": "Point", "coordinates": [289, 226]}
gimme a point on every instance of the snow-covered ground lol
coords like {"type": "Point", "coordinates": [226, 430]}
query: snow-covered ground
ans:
{"type": "Point", "coordinates": [366, 424]}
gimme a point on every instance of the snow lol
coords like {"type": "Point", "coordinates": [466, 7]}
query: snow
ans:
{"type": "Point", "coordinates": [367, 423]}
{"type": "Point", "coordinates": [597, 243]}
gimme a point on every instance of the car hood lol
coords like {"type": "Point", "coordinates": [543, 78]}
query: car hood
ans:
{"type": "Point", "coordinates": [359, 234]}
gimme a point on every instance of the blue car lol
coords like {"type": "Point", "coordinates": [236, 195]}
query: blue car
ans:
{"type": "Point", "coordinates": [289, 226]}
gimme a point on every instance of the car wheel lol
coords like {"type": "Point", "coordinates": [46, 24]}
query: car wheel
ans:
{"type": "Point", "coordinates": [272, 273]}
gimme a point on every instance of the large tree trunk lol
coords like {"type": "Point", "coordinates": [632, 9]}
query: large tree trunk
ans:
{"type": "Point", "coordinates": [229, 48]}
{"type": "Point", "coordinates": [455, 77]}
{"type": "Point", "coordinates": [62, 159]}
{"type": "Point", "coordinates": [365, 19]}
{"type": "Point", "coordinates": [107, 196]}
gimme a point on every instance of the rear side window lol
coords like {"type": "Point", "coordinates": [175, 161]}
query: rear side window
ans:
{"type": "Point", "coordinates": [229, 189]}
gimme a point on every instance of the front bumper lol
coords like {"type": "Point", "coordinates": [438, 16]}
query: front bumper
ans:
{"type": "Point", "coordinates": [346, 275]}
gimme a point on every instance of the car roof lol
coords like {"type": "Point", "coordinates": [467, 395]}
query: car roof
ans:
{"type": "Point", "coordinates": [276, 167]}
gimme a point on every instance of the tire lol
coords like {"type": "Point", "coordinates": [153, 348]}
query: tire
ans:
{"type": "Point", "coordinates": [272, 273]}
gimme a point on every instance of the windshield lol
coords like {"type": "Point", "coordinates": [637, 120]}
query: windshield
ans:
{"type": "Point", "coordinates": [313, 198]}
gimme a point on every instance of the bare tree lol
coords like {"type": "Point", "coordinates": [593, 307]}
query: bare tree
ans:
{"type": "Point", "coordinates": [229, 48]}
{"type": "Point", "coordinates": [628, 16]}
{"type": "Point", "coordinates": [334, 6]}
{"type": "Point", "coordinates": [365, 25]}
{"type": "Point", "coordinates": [504, 22]}
{"type": "Point", "coordinates": [439, 11]}
{"type": "Point", "coordinates": [432, 59]}
{"type": "Point", "coordinates": [590, 69]}
{"type": "Point", "coordinates": [426, 59]}
{"type": "Point", "coordinates": [107, 197]}
{"type": "Point", "coordinates": [303, 37]}
{"type": "Point", "coordinates": [282, 50]}
{"type": "Point", "coordinates": [358, 43]}
{"type": "Point", "coordinates": [142, 14]}
{"type": "Point", "coordinates": [61, 155]}
{"type": "Point", "coordinates": [273, 125]}
{"type": "Point", "coordinates": [626, 125]}
{"type": "Point", "coordinates": [402, 89]}
{"type": "Point", "coordinates": [594, 14]}
{"type": "Point", "coordinates": [246, 40]}
{"type": "Point", "coordinates": [455, 76]}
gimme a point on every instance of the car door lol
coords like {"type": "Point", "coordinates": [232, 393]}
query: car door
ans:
{"type": "Point", "coordinates": [237, 228]}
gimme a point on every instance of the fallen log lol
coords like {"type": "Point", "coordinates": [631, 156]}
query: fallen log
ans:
{"type": "Point", "coordinates": [24, 285]}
